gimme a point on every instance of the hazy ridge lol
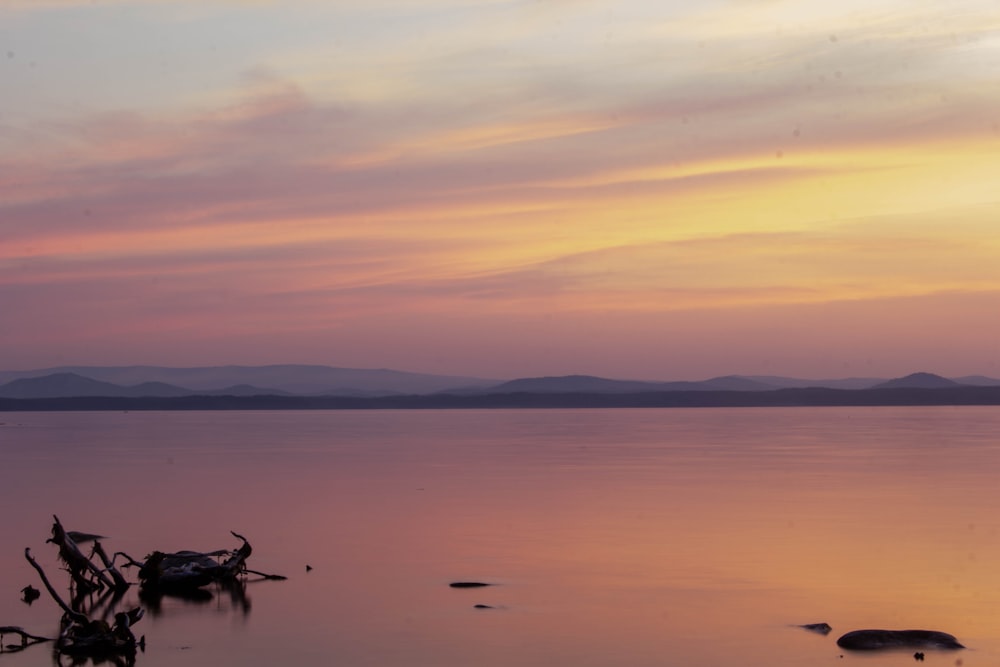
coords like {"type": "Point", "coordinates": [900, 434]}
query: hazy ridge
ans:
{"type": "Point", "coordinates": [310, 381]}
{"type": "Point", "coordinates": [293, 379]}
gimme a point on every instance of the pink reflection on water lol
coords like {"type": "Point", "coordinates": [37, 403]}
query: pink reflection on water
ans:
{"type": "Point", "coordinates": [643, 537]}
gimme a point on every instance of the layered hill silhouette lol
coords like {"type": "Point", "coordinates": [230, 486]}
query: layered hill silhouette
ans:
{"type": "Point", "coordinates": [919, 381]}
{"type": "Point", "coordinates": [324, 386]}
{"type": "Point", "coordinates": [290, 379]}
{"type": "Point", "coordinates": [62, 385]}
{"type": "Point", "coordinates": [597, 385]}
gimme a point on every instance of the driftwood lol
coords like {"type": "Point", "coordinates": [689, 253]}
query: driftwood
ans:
{"type": "Point", "coordinates": [268, 577]}
{"type": "Point", "coordinates": [93, 626]}
{"type": "Point", "coordinates": [188, 570]}
{"type": "Point", "coordinates": [98, 638]}
{"type": "Point", "coordinates": [27, 639]}
{"type": "Point", "coordinates": [81, 635]}
{"type": "Point", "coordinates": [78, 564]}
{"type": "Point", "coordinates": [109, 564]}
{"type": "Point", "coordinates": [70, 613]}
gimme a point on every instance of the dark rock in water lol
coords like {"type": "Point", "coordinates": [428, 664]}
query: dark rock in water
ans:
{"type": "Point", "coordinates": [29, 594]}
{"type": "Point", "coordinates": [309, 568]}
{"type": "Point", "coordinates": [482, 606]}
{"type": "Point", "coordinates": [918, 656]}
{"type": "Point", "coordinates": [870, 640]}
{"type": "Point", "coordinates": [821, 628]}
{"type": "Point", "coordinates": [467, 584]}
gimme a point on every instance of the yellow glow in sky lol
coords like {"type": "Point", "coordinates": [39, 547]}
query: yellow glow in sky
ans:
{"type": "Point", "coordinates": [490, 165]}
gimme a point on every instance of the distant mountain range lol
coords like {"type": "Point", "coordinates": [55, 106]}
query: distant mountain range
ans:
{"type": "Point", "coordinates": [160, 381]}
{"type": "Point", "coordinates": [327, 381]}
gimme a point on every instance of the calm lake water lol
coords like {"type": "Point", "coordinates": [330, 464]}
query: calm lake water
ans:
{"type": "Point", "coordinates": [614, 537]}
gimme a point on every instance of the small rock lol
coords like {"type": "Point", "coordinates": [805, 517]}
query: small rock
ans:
{"type": "Point", "coordinates": [821, 628]}
{"type": "Point", "coordinates": [869, 640]}
{"type": "Point", "coordinates": [467, 584]}
{"type": "Point", "coordinates": [29, 594]}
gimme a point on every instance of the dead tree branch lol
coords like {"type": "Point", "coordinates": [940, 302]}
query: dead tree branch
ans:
{"type": "Point", "coordinates": [27, 639]}
{"type": "Point", "coordinates": [87, 629]}
{"type": "Point", "coordinates": [78, 564]}
{"type": "Point", "coordinates": [269, 577]}
{"type": "Point", "coordinates": [74, 615]}
{"type": "Point", "coordinates": [120, 583]}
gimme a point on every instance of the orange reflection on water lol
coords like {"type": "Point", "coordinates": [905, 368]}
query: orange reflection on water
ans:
{"type": "Point", "coordinates": [639, 537]}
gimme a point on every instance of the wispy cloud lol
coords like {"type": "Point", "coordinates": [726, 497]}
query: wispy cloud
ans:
{"type": "Point", "coordinates": [414, 156]}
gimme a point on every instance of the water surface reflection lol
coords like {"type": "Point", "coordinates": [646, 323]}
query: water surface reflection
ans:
{"type": "Point", "coordinates": [640, 537]}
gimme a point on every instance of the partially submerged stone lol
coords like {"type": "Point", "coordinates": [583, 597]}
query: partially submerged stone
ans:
{"type": "Point", "coordinates": [29, 594]}
{"type": "Point", "coordinates": [468, 584]}
{"type": "Point", "coordinates": [871, 640]}
{"type": "Point", "coordinates": [821, 628]}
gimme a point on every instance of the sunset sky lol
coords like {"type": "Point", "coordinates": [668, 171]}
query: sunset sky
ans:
{"type": "Point", "coordinates": [502, 188]}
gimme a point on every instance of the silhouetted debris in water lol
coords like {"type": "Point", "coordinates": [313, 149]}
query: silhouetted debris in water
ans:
{"type": "Point", "coordinates": [29, 594]}
{"type": "Point", "coordinates": [309, 568]}
{"type": "Point", "coordinates": [482, 606]}
{"type": "Point", "coordinates": [27, 639]}
{"type": "Point", "coordinates": [870, 640]}
{"type": "Point", "coordinates": [269, 577]}
{"type": "Point", "coordinates": [187, 570]}
{"type": "Point", "coordinates": [918, 656]}
{"type": "Point", "coordinates": [85, 575]}
{"type": "Point", "coordinates": [83, 637]}
{"type": "Point", "coordinates": [821, 628]}
{"type": "Point", "coordinates": [468, 584]}
{"type": "Point", "coordinates": [80, 538]}
{"type": "Point", "coordinates": [86, 631]}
